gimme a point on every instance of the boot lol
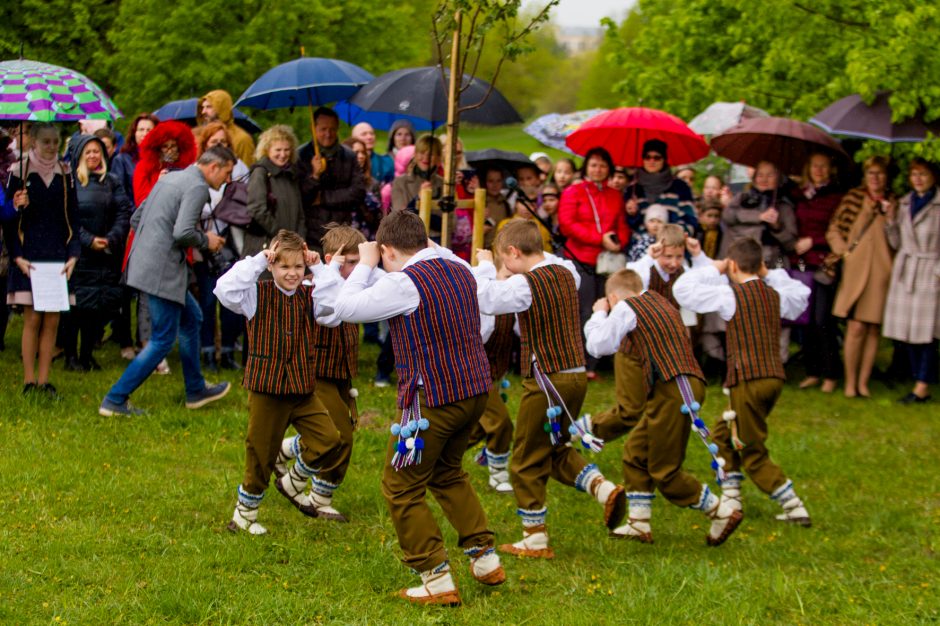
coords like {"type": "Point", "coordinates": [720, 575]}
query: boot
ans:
{"type": "Point", "coordinates": [290, 450]}
{"type": "Point", "coordinates": [724, 518]}
{"type": "Point", "coordinates": [227, 361]}
{"type": "Point", "coordinates": [534, 544]}
{"type": "Point", "coordinates": [437, 588]}
{"type": "Point", "coordinates": [638, 526]}
{"type": "Point", "coordinates": [485, 566]}
{"type": "Point", "coordinates": [245, 516]}
{"type": "Point", "coordinates": [605, 492]}
{"type": "Point", "coordinates": [499, 475]}
{"type": "Point", "coordinates": [292, 486]}
{"type": "Point", "coordinates": [793, 510]}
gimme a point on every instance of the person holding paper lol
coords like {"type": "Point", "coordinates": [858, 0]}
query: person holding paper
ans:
{"type": "Point", "coordinates": [45, 229]}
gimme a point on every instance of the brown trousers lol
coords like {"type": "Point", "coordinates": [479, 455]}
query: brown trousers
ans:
{"type": "Point", "coordinates": [752, 400]}
{"type": "Point", "coordinates": [655, 449]}
{"type": "Point", "coordinates": [441, 471]}
{"type": "Point", "coordinates": [630, 390]}
{"type": "Point", "coordinates": [334, 394]}
{"type": "Point", "coordinates": [268, 418]}
{"type": "Point", "coordinates": [495, 425]}
{"type": "Point", "coordinates": [534, 458]}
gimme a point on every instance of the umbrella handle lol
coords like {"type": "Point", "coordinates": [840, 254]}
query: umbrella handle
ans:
{"type": "Point", "coordinates": [313, 140]}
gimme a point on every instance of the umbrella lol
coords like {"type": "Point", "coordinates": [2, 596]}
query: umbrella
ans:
{"type": "Point", "coordinates": [307, 81]}
{"type": "Point", "coordinates": [493, 159]}
{"type": "Point", "coordinates": [552, 129]}
{"type": "Point", "coordinates": [622, 132]}
{"type": "Point", "coordinates": [352, 115]}
{"type": "Point", "coordinates": [420, 92]}
{"type": "Point", "coordinates": [720, 116]}
{"type": "Point", "coordinates": [185, 111]}
{"type": "Point", "coordinates": [852, 117]}
{"type": "Point", "coordinates": [40, 92]}
{"type": "Point", "coordinates": [784, 142]}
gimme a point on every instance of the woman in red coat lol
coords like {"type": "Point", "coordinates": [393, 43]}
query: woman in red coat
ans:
{"type": "Point", "coordinates": [170, 146]}
{"type": "Point", "coordinates": [591, 215]}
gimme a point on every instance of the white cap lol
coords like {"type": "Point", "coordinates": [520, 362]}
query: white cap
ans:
{"type": "Point", "coordinates": [656, 212]}
{"type": "Point", "coordinates": [535, 156]}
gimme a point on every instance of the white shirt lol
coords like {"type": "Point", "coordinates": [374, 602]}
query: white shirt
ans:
{"type": "Point", "coordinates": [237, 289]}
{"type": "Point", "coordinates": [326, 288]}
{"type": "Point", "coordinates": [704, 290]}
{"type": "Point", "coordinates": [512, 295]}
{"type": "Point", "coordinates": [390, 295]}
{"type": "Point", "coordinates": [605, 333]}
{"type": "Point", "coordinates": [646, 263]}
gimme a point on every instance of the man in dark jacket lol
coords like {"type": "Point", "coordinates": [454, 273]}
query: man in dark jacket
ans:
{"type": "Point", "coordinates": [332, 183]}
{"type": "Point", "coordinates": [165, 226]}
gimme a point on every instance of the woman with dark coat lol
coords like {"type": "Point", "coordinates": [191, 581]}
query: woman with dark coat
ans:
{"type": "Point", "coordinates": [125, 161]}
{"type": "Point", "coordinates": [655, 184]}
{"type": "Point", "coordinates": [104, 214]}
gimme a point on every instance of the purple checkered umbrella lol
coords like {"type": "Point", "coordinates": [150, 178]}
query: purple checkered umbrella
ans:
{"type": "Point", "coordinates": [39, 92]}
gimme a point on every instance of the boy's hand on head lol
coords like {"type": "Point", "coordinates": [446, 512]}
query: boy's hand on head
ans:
{"type": "Point", "coordinates": [484, 255]}
{"type": "Point", "coordinates": [271, 252]}
{"type": "Point", "coordinates": [311, 258]}
{"type": "Point", "coordinates": [655, 250]}
{"type": "Point", "coordinates": [721, 265]}
{"type": "Point", "coordinates": [338, 259]}
{"type": "Point", "coordinates": [693, 245]}
{"type": "Point", "coordinates": [602, 305]}
{"type": "Point", "coordinates": [369, 254]}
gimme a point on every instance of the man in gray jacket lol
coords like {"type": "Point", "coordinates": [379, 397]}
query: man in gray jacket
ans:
{"type": "Point", "coordinates": [165, 226]}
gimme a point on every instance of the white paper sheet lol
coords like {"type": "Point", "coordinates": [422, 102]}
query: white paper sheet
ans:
{"type": "Point", "coordinates": [50, 287]}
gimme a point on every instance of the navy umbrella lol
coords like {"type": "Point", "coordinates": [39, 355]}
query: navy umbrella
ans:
{"type": "Point", "coordinates": [852, 117]}
{"type": "Point", "coordinates": [352, 115]}
{"type": "Point", "coordinates": [422, 92]}
{"type": "Point", "coordinates": [307, 81]}
{"type": "Point", "coordinates": [185, 111]}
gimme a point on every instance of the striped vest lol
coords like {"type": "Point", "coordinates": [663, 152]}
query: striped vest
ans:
{"type": "Point", "coordinates": [336, 351]}
{"type": "Point", "coordinates": [753, 337]}
{"type": "Point", "coordinates": [662, 287]}
{"type": "Point", "coordinates": [279, 356]}
{"type": "Point", "coordinates": [550, 328]}
{"type": "Point", "coordinates": [661, 340]}
{"type": "Point", "coordinates": [440, 343]}
{"type": "Point", "coordinates": [499, 346]}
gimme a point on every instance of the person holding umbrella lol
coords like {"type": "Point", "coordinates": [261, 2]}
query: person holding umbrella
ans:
{"type": "Point", "coordinates": [655, 184]}
{"type": "Point", "coordinates": [591, 215]}
{"type": "Point", "coordinates": [912, 313]}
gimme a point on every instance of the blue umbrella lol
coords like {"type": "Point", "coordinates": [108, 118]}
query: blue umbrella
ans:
{"type": "Point", "coordinates": [307, 81]}
{"type": "Point", "coordinates": [352, 115]}
{"type": "Point", "coordinates": [185, 111]}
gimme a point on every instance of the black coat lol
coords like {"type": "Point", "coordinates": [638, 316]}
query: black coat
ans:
{"type": "Point", "coordinates": [337, 196]}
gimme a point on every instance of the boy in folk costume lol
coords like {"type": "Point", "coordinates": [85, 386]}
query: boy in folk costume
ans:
{"type": "Point", "coordinates": [428, 297]}
{"type": "Point", "coordinates": [672, 388]}
{"type": "Point", "coordinates": [279, 375]}
{"type": "Point", "coordinates": [751, 300]}
{"type": "Point", "coordinates": [543, 292]}
{"type": "Point", "coordinates": [664, 262]}
{"type": "Point", "coordinates": [335, 353]}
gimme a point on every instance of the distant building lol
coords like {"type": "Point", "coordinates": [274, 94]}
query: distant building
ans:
{"type": "Point", "coordinates": [578, 39]}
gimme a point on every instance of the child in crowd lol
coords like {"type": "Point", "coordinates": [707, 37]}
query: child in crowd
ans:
{"type": "Point", "coordinates": [664, 261]}
{"type": "Point", "coordinates": [643, 324]}
{"type": "Point", "coordinates": [497, 208]}
{"type": "Point", "coordinates": [543, 292]}
{"type": "Point", "coordinates": [751, 300]}
{"type": "Point", "coordinates": [654, 218]}
{"type": "Point", "coordinates": [429, 298]}
{"type": "Point", "coordinates": [335, 353]}
{"type": "Point", "coordinates": [544, 163]}
{"type": "Point", "coordinates": [529, 183]}
{"type": "Point", "coordinates": [279, 375]}
{"type": "Point", "coordinates": [551, 198]}
{"type": "Point", "coordinates": [618, 178]}
{"type": "Point", "coordinates": [709, 222]}
{"type": "Point", "coordinates": [564, 173]}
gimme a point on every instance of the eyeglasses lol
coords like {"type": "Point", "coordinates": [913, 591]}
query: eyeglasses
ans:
{"type": "Point", "coordinates": [550, 195]}
{"type": "Point", "coordinates": [652, 157]}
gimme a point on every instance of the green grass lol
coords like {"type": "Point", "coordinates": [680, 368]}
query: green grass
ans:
{"type": "Point", "coordinates": [121, 521]}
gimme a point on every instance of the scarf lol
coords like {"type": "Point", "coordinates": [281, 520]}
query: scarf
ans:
{"type": "Point", "coordinates": [46, 168]}
{"type": "Point", "coordinates": [654, 184]}
{"type": "Point", "coordinates": [919, 202]}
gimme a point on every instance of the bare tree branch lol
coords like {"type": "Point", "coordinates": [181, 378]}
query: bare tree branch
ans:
{"type": "Point", "coordinates": [832, 18]}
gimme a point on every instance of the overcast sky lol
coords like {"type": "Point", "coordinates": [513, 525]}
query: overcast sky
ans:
{"type": "Point", "coordinates": [586, 12]}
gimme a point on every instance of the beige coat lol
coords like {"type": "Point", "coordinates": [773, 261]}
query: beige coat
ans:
{"type": "Point", "coordinates": [866, 271]}
{"type": "Point", "coordinates": [912, 313]}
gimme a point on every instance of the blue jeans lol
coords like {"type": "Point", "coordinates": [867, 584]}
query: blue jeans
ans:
{"type": "Point", "coordinates": [169, 320]}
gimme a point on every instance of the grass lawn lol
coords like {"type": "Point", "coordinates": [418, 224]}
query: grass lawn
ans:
{"type": "Point", "coordinates": [122, 521]}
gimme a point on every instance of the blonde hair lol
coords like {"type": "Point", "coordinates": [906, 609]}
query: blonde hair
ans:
{"type": "Point", "coordinates": [341, 239]}
{"type": "Point", "coordinates": [426, 143]}
{"type": "Point", "coordinates": [671, 236]}
{"type": "Point", "coordinates": [445, 144]}
{"type": "Point", "coordinates": [520, 233]}
{"type": "Point", "coordinates": [81, 169]}
{"type": "Point", "coordinates": [278, 132]}
{"type": "Point", "coordinates": [288, 242]}
{"type": "Point", "coordinates": [623, 280]}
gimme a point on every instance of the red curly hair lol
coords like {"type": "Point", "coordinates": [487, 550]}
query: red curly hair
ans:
{"type": "Point", "coordinates": [148, 169]}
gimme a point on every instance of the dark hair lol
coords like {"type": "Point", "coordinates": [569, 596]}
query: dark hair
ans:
{"type": "Point", "coordinates": [130, 141]}
{"type": "Point", "coordinates": [219, 155]}
{"type": "Point", "coordinates": [747, 253]}
{"type": "Point", "coordinates": [327, 111]}
{"type": "Point", "coordinates": [106, 133]}
{"type": "Point", "coordinates": [519, 233]}
{"type": "Point", "coordinates": [924, 163]}
{"type": "Point", "coordinates": [402, 230]}
{"type": "Point", "coordinates": [712, 204]}
{"type": "Point", "coordinates": [602, 154]}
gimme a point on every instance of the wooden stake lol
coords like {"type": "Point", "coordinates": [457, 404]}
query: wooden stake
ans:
{"type": "Point", "coordinates": [479, 216]}
{"type": "Point", "coordinates": [453, 123]}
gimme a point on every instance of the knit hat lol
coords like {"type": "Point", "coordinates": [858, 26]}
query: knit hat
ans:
{"type": "Point", "coordinates": [656, 212]}
{"type": "Point", "coordinates": [656, 145]}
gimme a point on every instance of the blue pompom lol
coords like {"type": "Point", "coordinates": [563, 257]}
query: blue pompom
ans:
{"type": "Point", "coordinates": [699, 423]}
{"type": "Point", "coordinates": [412, 425]}
{"type": "Point", "coordinates": [504, 383]}
{"type": "Point", "coordinates": [556, 410]}
{"type": "Point", "coordinates": [685, 409]}
{"type": "Point", "coordinates": [396, 429]}
{"type": "Point", "coordinates": [419, 443]}
{"type": "Point", "coordinates": [556, 427]}
{"type": "Point", "coordinates": [696, 406]}
{"type": "Point", "coordinates": [405, 432]}
{"type": "Point", "coordinates": [423, 423]}
{"type": "Point", "coordinates": [549, 413]}
{"type": "Point", "coordinates": [402, 448]}
{"type": "Point", "coordinates": [713, 448]}
{"type": "Point", "coordinates": [573, 429]}
{"type": "Point", "coordinates": [714, 464]}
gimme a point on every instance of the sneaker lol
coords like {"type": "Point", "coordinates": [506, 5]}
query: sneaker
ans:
{"type": "Point", "coordinates": [381, 381]}
{"type": "Point", "coordinates": [110, 409]}
{"type": "Point", "coordinates": [210, 393]}
{"type": "Point", "coordinates": [163, 368]}
{"type": "Point", "coordinates": [128, 353]}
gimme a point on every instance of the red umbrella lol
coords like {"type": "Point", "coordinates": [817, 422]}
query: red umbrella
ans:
{"type": "Point", "coordinates": [622, 132]}
{"type": "Point", "coordinates": [784, 142]}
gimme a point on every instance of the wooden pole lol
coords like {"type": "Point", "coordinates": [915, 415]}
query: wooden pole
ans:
{"type": "Point", "coordinates": [453, 122]}
{"type": "Point", "coordinates": [424, 208]}
{"type": "Point", "coordinates": [479, 217]}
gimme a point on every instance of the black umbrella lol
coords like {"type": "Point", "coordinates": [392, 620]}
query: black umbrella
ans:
{"type": "Point", "coordinates": [185, 111]}
{"type": "Point", "coordinates": [422, 92]}
{"type": "Point", "coordinates": [494, 159]}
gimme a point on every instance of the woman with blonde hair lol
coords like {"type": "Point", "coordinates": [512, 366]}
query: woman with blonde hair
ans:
{"type": "Point", "coordinates": [422, 173]}
{"type": "Point", "coordinates": [274, 200]}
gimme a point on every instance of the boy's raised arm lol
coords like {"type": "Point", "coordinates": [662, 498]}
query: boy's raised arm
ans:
{"type": "Point", "coordinates": [705, 290]}
{"type": "Point", "coordinates": [605, 332]}
{"type": "Point", "coordinates": [794, 295]}
{"type": "Point", "coordinates": [237, 289]}
{"type": "Point", "coordinates": [501, 296]}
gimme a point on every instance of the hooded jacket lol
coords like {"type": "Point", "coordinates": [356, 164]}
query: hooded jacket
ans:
{"type": "Point", "coordinates": [150, 165]}
{"type": "Point", "coordinates": [242, 144]}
